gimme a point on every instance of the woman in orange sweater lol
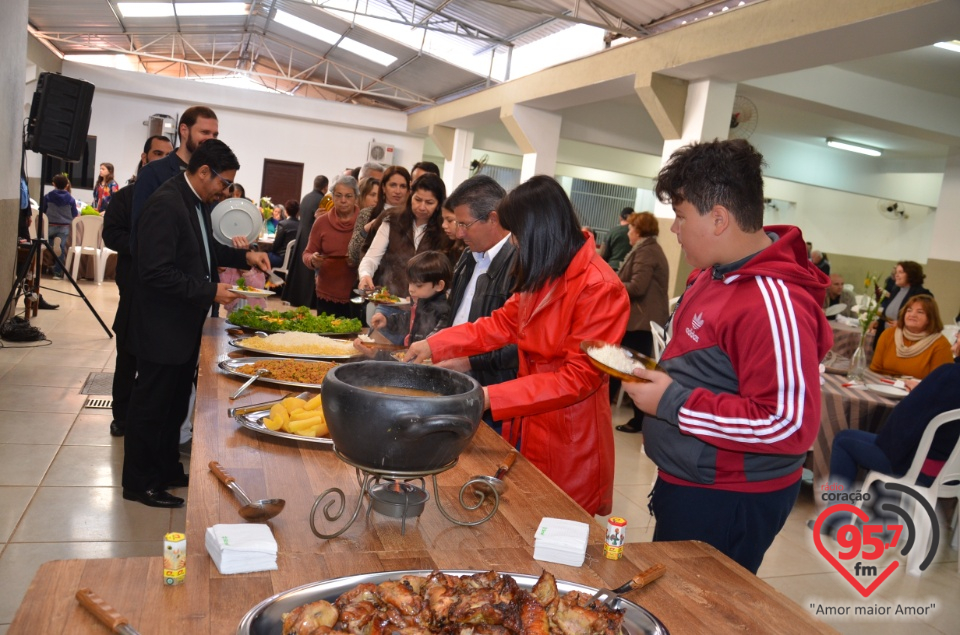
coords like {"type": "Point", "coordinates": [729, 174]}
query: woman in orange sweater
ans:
{"type": "Point", "coordinates": [916, 346]}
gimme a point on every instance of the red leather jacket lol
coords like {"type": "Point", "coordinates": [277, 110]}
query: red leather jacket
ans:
{"type": "Point", "coordinates": [559, 404]}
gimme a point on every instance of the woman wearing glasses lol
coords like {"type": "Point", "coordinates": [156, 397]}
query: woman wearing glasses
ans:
{"type": "Point", "coordinates": [558, 408]}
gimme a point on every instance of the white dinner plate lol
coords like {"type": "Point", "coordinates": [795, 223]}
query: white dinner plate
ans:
{"type": "Point", "coordinates": [236, 217]}
{"type": "Point", "coordinates": [836, 309]}
{"type": "Point", "coordinates": [888, 391]}
{"type": "Point", "coordinates": [252, 293]}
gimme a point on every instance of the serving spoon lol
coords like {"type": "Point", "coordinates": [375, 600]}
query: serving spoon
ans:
{"type": "Point", "coordinates": [260, 372]}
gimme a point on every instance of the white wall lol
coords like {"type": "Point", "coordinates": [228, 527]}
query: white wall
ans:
{"type": "Point", "coordinates": [325, 136]}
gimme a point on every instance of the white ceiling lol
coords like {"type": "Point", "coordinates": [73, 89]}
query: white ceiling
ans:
{"type": "Point", "coordinates": [901, 95]}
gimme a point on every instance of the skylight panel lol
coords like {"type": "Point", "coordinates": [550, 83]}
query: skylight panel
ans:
{"type": "Point", "coordinates": [367, 52]}
{"type": "Point", "coordinates": [331, 37]}
{"type": "Point", "coordinates": [184, 9]}
{"type": "Point", "coordinates": [195, 9]}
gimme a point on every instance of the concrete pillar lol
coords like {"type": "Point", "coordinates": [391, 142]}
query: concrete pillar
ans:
{"type": "Point", "coordinates": [537, 133]}
{"type": "Point", "coordinates": [706, 117]}
{"type": "Point", "coordinates": [456, 145]}
{"type": "Point", "coordinates": [13, 52]}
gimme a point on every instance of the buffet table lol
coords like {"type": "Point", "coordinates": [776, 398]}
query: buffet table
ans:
{"type": "Point", "coordinates": [702, 591]}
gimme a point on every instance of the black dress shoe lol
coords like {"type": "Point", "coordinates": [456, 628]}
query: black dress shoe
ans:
{"type": "Point", "coordinates": [181, 481]}
{"type": "Point", "coordinates": [629, 428]}
{"type": "Point", "coordinates": [117, 428]}
{"type": "Point", "coordinates": [43, 304]}
{"type": "Point", "coordinates": [153, 498]}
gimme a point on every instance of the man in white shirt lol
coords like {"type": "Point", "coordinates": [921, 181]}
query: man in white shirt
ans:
{"type": "Point", "coordinates": [483, 278]}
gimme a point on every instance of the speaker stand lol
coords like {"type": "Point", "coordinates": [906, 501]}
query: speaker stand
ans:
{"type": "Point", "coordinates": [35, 261]}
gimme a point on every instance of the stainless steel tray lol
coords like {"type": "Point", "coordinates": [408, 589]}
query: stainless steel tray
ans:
{"type": "Point", "coordinates": [266, 618]}
{"type": "Point", "coordinates": [254, 329]}
{"type": "Point", "coordinates": [254, 421]}
{"type": "Point", "coordinates": [332, 358]}
{"type": "Point", "coordinates": [230, 366]}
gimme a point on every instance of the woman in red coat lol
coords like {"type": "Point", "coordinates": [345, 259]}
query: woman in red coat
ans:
{"type": "Point", "coordinates": [558, 408]}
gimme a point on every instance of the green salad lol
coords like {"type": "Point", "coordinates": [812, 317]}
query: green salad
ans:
{"type": "Point", "coordinates": [300, 319]}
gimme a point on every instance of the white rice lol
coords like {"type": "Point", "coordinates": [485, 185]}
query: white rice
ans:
{"type": "Point", "coordinates": [302, 343]}
{"type": "Point", "coordinates": [614, 357]}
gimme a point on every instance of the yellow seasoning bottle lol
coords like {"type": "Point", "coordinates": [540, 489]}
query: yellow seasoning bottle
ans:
{"type": "Point", "coordinates": [174, 558]}
{"type": "Point", "coordinates": [616, 534]}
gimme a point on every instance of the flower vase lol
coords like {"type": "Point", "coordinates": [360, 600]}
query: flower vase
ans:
{"type": "Point", "coordinates": [858, 362]}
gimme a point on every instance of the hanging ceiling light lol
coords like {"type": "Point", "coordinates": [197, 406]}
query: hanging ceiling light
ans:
{"type": "Point", "coordinates": [850, 146]}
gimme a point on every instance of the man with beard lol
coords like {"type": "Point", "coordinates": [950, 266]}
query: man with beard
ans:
{"type": "Point", "coordinates": [116, 236]}
{"type": "Point", "coordinates": [175, 283]}
{"type": "Point", "coordinates": [197, 124]}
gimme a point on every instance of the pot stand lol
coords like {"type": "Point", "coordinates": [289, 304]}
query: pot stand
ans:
{"type": "Point", "coordinates": [409, 503]}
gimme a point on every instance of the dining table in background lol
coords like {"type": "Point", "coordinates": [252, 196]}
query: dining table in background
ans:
{"type": "Point", "coordinates": [846, 338]}
{"type": "Point", "coordinates": [845, 407]}
{"type": "Point", "coordinates": [702, 590]}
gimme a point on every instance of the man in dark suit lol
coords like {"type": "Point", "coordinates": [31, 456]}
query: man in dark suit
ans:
{"type": "Point", "coordinates": [116, 236]}
{"type": "Point", "coordinates": [197, 124]}
{"type": "Point", "coordinates": [300, 288]}
{"type": "Point", "coordinates": [175, 283]}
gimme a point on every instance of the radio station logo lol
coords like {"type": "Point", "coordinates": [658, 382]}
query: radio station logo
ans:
{"type": "Point", "coordinates": [863, 544]}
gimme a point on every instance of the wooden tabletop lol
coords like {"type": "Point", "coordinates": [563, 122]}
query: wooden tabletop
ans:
{"type": "Point", "coordinates": [702, 591]}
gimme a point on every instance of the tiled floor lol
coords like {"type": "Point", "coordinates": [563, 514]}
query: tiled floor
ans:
{"type": "Point", "coordinates": [60, 498]}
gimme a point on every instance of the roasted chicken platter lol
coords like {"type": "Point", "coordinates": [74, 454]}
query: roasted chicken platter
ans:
{"type": "Point", "coordinates": [481, 604]}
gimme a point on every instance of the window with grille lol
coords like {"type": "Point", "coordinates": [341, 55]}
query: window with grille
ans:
{"type": "Point", "coordinates": [508, 178]}
{"type": "Point", "coordinates": [598, 205]}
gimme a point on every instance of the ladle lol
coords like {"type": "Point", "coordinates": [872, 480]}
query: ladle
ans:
{"type": "Point", "coordinates": [263, 509]}
{"type": "Point", "coordinates": [260, 372]}
{"type": "Point", "coordinates": [496, 481]}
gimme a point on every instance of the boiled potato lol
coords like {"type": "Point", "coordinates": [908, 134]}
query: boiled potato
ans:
{"type": "Point", "coordinates": [298, 416]}
{"type": "Point", "coordinates": [279, 414]}
{"type": "Point", "coordinates": [313, 404]}
{"type": "Point", "coordinates": [292, 403]}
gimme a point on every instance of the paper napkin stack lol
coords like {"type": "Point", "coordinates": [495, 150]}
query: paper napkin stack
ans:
{"type": "Point", "coordinates": [242, 548]}
{"type": "Point", "coordinates": [561, 541]}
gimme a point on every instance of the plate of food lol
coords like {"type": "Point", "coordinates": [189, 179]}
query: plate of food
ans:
{"type": "Point", "coordinates": [250, 292]}
{"type": "Point", "coordinates": [297, 418]}
{"type": "Point", "coordinates": [298, 345]}
{"type": "Point", "coordinates": [301, 319]}
{"type": "Point", "coordinates": [296, 373]}
{"type": "Point", "coordinates": [382, 296]}
{"type": "Point", "coordinates": [325, 602]}
{"type": "Point", "coordinates": [617, 361]}
{"type": "Point", "coordinates": [894, 392]}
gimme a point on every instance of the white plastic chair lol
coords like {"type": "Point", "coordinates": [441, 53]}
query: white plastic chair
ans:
{"type": "Point", "coordinates": [287, 255]}
{"type": "Point", "coordinates": [87, 235]}
{"type": "Point", "coordinates": [659, 340]}
{"type": "Point", "coordinates": [659, 343]}
{"type": "Point", "coordinates": [946, 485]}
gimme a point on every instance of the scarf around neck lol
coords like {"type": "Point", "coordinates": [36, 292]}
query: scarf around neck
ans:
{"type": "Point", "coordinates": [918, 342]}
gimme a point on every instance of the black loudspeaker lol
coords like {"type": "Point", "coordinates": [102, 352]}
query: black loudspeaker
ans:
{"type": "Point", "coordinates": [59, 116]}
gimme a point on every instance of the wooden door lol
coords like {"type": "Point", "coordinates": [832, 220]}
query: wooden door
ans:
{"type": "Point", "coordinates": [282, 180]}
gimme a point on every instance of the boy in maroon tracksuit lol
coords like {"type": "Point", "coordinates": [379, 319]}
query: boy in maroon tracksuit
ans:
{"type": "Point", "coordinates": [739, 404]}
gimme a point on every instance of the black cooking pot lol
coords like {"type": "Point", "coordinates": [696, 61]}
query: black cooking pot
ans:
{"type": "Point", "coordinates": [397, 432]}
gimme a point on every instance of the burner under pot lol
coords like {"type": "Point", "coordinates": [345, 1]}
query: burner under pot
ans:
{"type": "Point", "coordinates": [398, 499]}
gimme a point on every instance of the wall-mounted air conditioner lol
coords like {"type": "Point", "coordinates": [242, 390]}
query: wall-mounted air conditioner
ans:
{"type": "Point", "coordinates": [380, 152]}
